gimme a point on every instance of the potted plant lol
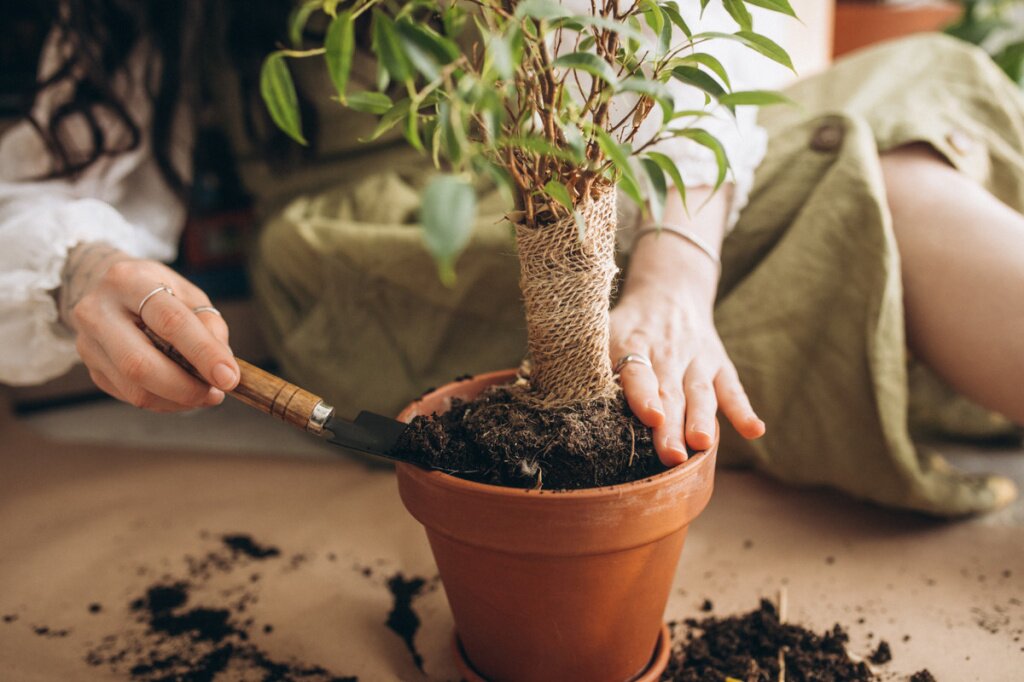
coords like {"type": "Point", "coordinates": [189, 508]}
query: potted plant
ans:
{"type": "Point", "coordinates": [547, 103]}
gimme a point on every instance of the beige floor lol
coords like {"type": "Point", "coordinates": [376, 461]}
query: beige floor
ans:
{"type": "Point", "coordinates": [78, 517]}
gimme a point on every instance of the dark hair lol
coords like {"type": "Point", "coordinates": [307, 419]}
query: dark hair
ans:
{"type": "Point", "coordinates": [96, 37]}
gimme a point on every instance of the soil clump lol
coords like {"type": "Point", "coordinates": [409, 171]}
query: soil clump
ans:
{"type": "Point", "coordinates": [501, 439]}
{"type": "Point", "coordinates": [751, 646]}
{"type": "Point", "coordinates": [402, 620]}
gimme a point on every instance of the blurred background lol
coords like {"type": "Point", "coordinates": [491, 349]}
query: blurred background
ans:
{"type": "Point", "coordinates": [220, 224]}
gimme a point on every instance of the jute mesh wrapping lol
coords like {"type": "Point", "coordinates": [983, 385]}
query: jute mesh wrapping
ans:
{"type": "Point", "coordinates": [566, 284]}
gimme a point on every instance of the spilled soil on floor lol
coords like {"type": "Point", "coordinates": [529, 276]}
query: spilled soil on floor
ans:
{"type": "Point", "coordinates": [759, 647]}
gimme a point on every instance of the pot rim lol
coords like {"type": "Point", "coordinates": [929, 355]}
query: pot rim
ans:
{"type": "Point", "coordinates": [448, 481]}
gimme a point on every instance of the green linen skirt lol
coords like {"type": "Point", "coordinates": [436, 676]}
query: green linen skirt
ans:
{"type": "Point", "coordinates": [809, 306]}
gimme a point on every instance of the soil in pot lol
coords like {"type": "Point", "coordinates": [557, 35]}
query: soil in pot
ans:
{"type": "Point", "coordinates": [505, 440]}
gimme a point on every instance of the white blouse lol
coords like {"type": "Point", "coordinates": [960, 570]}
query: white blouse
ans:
{"type": "Point", "coordinates": [123, 201]}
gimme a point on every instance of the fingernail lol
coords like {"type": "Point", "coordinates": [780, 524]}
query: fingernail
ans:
{"type": "Point", "coordinates": [678, 447]}
{"type": "Point", "coordinates": [224, 377]}
{"type": "Point", "coordinates": [654, 406]}
{"type": "Point", "coordinates": [700, 431]}
{"type": "Point", "coordinates": [214, 397]}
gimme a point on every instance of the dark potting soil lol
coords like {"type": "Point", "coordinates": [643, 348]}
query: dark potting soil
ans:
{"type": "Point", "coordinates": [922, 676]}
{"type": "Point", "coordinates": [176, 639]}
{"type": "Point", "coordinates": [244, 544]}
{"type": "Point", "coordinates": [747, 647]}
{"type": "Point", "coordinates": [503, 440]}
{"type": "Point", "coordinates": [402, 620]}
{"type": "Point", "coordinates": [881, 655]}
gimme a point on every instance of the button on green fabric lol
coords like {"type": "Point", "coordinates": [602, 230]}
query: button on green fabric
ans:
{"type": "Point", "coordinates": [961, 142]}
{"type": "Point", "coordinates": [828, 137]}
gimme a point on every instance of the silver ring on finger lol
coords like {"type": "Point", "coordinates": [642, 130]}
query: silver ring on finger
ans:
{"type": "Point", "coordinates": [207, 309]}
{"type": "Point", "coordinates": [145, 299]}
{"type": "Point", "coordinates": [621, 363]}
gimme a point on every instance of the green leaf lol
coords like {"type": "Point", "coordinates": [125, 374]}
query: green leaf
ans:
{"type": "Point", "coordinates": [388, 48]}
{"type": "Point", "coordinates": [340, 45]}
{"type": "Point", "coordinates": [653, 15]}
{"type": "Point", "coordinates": [767, 47]}
{"type": "Point", "coordinates": [591, 63]}
{"type": "Point", "coordinates": [432, 130]}
{"type": "Point", "coordinates": [451, 141]}
{"type": "Point", "coordinates": [664, 40]}
{"type": "Point", "coordinates": [782, 6]}
{"type": "Point", "coordinates": [706, 139]}
{"type": "Point", "coordinates": [691, 113]}
{"type": "Point", "coordinates": [657, 186]}
{"type": "Point", "coordinates": [691, 75]}
{"type": "Point", "coordinates": [447, 213]}
{"type": "Point", "coordinates": [278, 92]}
{"type": "Point", "coordinates": [574, 138]}
{"type": "Point", "coordinates": [672, 11]}
{"type": "Point", "coordinates": [660, 25]}
{"type": "Point", "coordinates": [624, 30]}
{"type": "Point", "coordinates": [669, 167]}
{"type": "Point", "coordinates": [740, 14]}
{"type": "Point", "coordinates": [707, 60]}
{"type": "Point", "coordinates": [412, 128]}
{"type": "Point", "coordinates": [426, 49]}
{"type": "Point", "coordinates": [453, 18]}
{"type": "Point", "coordinates": [754, 98]}
{"type": "Point", "coordinates": [619, 156]}
{"type": "Point", "coordinates": [499, 56]}
{"type": "Point", "coordinates": [541, 9]}
{"type": "Point", "coordinates": [656, 90]}
{"type": "Point", "coordinates": [369, 102]}
{"type": "Point", "coordinates": [298, 20]}
{"type": "Point", "coordinates": [389, 119]}
{"type": "Point", "coordinates": [331, 7]}
{"type": "Point", "coordinates": [537, 145]}
{"type": "Point", "coordinates": [559, 193]}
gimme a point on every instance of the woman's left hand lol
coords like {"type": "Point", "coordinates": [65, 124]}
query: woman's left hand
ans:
{"type": "Point", "coordinates": [692, 376]}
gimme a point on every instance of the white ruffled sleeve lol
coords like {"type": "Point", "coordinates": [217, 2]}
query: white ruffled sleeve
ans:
{"type": "Point", "coordinates": [744, 141]}
{"type": "Point", "coordinates": [121, 200]}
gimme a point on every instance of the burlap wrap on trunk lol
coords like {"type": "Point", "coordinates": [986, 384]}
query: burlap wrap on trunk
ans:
{"type": "Point", "coordinates": [566, 283]}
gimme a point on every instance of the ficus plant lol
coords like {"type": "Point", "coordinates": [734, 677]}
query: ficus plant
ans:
{"type": "Point", "coordinates": [546, 102]}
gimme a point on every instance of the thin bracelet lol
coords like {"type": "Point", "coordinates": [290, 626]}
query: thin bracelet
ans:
{"type": "Point", "coordinates": [687, 235]}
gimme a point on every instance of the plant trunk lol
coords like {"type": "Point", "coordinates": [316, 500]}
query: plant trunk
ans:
{"type": "Point", "coordinates": [567, 284]}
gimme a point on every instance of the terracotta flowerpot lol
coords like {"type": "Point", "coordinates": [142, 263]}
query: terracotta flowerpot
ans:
{"type": "Point", "coordinates": [860, 23]}
{"type": "Point", "coordinates": [549, 585]}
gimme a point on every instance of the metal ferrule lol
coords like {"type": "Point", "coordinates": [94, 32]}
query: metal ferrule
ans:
{"type": "Point", "coordinates": [318, 417]}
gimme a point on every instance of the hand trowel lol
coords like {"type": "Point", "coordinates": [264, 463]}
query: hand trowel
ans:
{"type": "Point", "coordinates": [370, 433]}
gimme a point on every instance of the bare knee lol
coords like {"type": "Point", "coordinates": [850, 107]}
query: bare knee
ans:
{"type": "Point", "coordinates": [918, 179]}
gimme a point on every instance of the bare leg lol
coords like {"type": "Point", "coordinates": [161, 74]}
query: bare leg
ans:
{"type": "Point", "coordinates": [963, 276]}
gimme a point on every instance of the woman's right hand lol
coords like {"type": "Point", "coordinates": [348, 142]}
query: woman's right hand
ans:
{"type": "Point", "coordinates": [101, 290]}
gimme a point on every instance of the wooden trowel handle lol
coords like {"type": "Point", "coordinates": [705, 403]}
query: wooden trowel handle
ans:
{"type": "Point", "coordinates": [264, 391]}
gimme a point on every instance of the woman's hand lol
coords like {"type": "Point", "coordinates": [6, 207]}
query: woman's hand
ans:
{"type": "Point", "coordinates": [666, 315]}
{"type": "Point", "coordinates": [691, 376]}
{"type": "Point", "coordinates": [101, 290]}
